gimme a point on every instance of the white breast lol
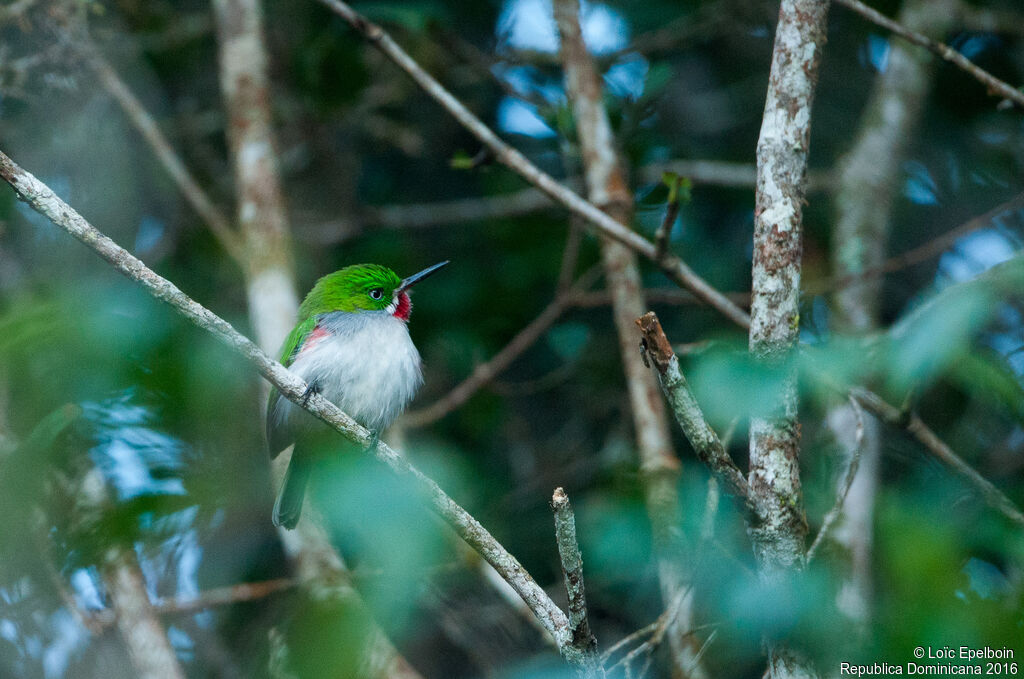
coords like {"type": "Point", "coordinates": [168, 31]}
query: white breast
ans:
{"type": "Point", "coordinates": [367, 366]}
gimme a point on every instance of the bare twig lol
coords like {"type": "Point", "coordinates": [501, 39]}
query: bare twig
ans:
{"type": "Point", "coordinates": [224, 596]}
{"type": "Point", "coordinates": [525, 201]}
{"type": "Point", "coordinates": [148, 646]}
{"type": "Point", "coordinates": [869, 180]}
{"type": "Point", "coordinates": [572, 569]}
{"type": "Point", "coordinates": [674, 268]}
{"type": "Point", "coordinates": [672, 296]}
{"type": "Point", "coordinates": [661, 237]}
{"type": "Point", "coordinates": [655, 633]}
{"type": "Point", "coordinates": [145, 638]}
{"type": "Point", "coordinates": [844, 489]}
{"type": "Point", "coordinates": [938, 449]}
{"type": "Point", "coordinates": [44, 201]}
{"type": "Point", "coordinates": [921, 253]}
{"type": "Point", "coordinates": [570, 257]}
{"type": "Point", "coordinates": [993, 85]}
{"type": "Point", "coordinates": [691, 419]}
{"type": "Point", "coordinates": [140, 118]}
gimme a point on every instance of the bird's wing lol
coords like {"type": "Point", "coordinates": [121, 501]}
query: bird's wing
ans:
{"type": "Point", "coordinates": [278, 438]}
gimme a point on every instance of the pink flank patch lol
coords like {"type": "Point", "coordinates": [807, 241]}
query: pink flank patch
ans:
{"type": "Point", "coordinates": [314, 339]}
{"type": "Point", "coordinates": [404, 307]}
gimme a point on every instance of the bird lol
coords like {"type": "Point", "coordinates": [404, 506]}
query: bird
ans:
{"type": "Point", "coordinates": [351, 345]}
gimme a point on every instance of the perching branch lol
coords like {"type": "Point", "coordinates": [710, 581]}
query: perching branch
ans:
{"type": "Point", "coordinates": [572, 569]}
{"type": "Point", "coordinates": [993, 85]}
{"type": "Point", "coordinates": [44, 201]}
{"type": "Point", "coordinates": [684, 405]}
{"type": "Point", "coordinates": [677, 270]}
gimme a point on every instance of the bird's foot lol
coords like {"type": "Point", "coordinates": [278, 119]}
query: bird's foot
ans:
{"type": "Point", "coordinates": [374, 441]}
{"type": "Point", "coordinates": [311, 388]}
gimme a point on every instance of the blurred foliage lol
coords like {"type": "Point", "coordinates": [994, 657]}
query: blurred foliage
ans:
{"type": "Point", "coordinates": [96, 374]}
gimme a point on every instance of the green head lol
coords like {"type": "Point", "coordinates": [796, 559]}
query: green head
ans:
{"type": "Point", "coordinates": [363, 287]}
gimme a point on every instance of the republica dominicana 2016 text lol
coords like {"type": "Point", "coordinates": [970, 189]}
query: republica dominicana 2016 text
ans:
{"type": "Point", "coordinates": [984, 661]}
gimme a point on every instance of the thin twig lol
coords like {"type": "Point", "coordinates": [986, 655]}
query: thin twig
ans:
{"type": "Point", "coordinates": [691, 419]}
{"type": "Point", "coordinates": [844, 490]}
{"type": "Point", "coordinates": [657, 634]}
{"type": "Point", "coordinates": [570, 257]}
{"type": "Point", "coordinates": [572, 570]}
{"type": "Point", "coordinates": [140, 118]}
{"type": "Point", "coordinates": [485, 372]}
{"type": "Point", "coordinates": [661, 236]}
{"type": "Point", "coordinates": [644, 632]}
{"type": "Point", "coordinates": [677, 270]}
{"type": "Point", "coordinates": [921, 253]}
{"type": "Point", "coordinates": [938, 449]}
{"type": "Point", "coordinates": [44, 201]}
{"type": "Point", "coordinates": [224, 596]}
{"type": "Point", "coordinates": [993, 85]}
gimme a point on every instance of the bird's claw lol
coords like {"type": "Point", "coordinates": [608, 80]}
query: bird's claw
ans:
{"type": "Point", "coordinates": [311, 388]}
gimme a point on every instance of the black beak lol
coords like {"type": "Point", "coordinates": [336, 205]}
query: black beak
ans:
{"type": "Point", "coordinates": [417, 277]}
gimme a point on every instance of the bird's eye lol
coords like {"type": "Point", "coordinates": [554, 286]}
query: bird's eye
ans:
{"type": "Point", "coordinates": [377, 293]}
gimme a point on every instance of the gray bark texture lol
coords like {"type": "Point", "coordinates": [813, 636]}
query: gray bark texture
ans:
{"type": "Point", "coordinates": [869, 179]}
{"type": "Point", "coordinates": [774, 477]}
{"type": "Point", "coordinates": [607, 188]}
{"type": "Point", "coordinates": [779, 528]}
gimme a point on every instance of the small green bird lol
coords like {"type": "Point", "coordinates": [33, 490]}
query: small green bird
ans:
{"type": "Point", "coordinates": [351, 345]}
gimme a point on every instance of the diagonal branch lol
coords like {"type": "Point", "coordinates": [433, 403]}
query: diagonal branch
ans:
{"type": "Point", "coordinates": [994, 85]}
{"type": "Point", "coordinates": [44, 201]}
{"type": "Point", "coordinates": [994, 497]}
{"type": "Point", "coordinates": [485, 372]}
{"type": "Point", "coordinates": [147, 126]}
{"type": "Point", "coordinates": [677, 270]}
{"type": "Point", "coordinates": [844, 489]}
{"type": "Point", "coordinates": [691, 419]}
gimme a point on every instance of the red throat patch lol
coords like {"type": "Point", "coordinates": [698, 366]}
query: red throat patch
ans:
{"type": "Point", "coordinates": [404, 307]}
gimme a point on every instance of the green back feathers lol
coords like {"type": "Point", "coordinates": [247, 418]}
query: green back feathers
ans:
{"type": "Point", "coordinates": [358, 287]}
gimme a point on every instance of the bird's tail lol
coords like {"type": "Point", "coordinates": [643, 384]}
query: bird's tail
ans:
{"type": "Point", "coordinates": [288, 507]}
